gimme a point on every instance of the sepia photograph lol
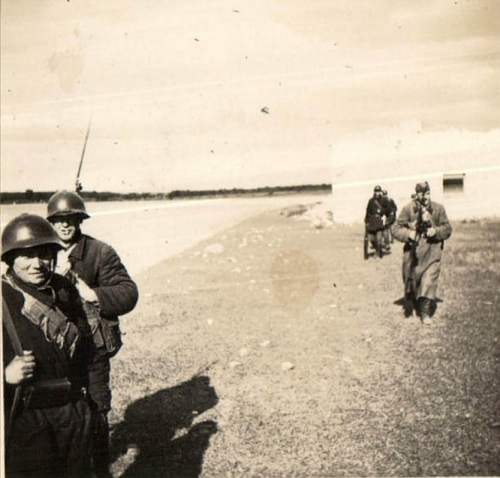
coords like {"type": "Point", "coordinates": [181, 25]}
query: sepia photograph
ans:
{"type": "Point", "coordinates": [250, 238]}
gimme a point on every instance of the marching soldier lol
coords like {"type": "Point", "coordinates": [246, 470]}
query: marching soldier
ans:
{"type": "Point", "coordinates": [374, 222]}
{"type": "Point", "coordinates": [107, 291]}
{"type": "Point", "coordinates": [45, 353]}
{"type": "Point", "coordinates": [390, 211]}
{"type": "Point", "coordinates": [423, 226]}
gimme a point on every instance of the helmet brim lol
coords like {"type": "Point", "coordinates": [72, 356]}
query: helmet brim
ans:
{"type": "Point", "coordinates": [29, 245]}
{"type": "Point", "coordinates": [82, 215]}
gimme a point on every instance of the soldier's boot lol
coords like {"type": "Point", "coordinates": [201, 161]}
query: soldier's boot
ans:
{"type": "Point", "coordinates": [408, 304]}
{"type": "Point", "coordinates": [425, 306]}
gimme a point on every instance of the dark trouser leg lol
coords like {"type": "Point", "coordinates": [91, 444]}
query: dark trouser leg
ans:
{"type": "Point", "coordinates": [410, 304]}
{"type": "Point", "coordinates": [101, 453]}
{"type": "Point", "coordinates": [387, 238]}
{"type": "Point", "coordinates": [32, 450]}
{"type": "Point", "coordinates": [52, 442]}
{"type": "Point", "coordinates": [100, 394]}
{"type": "Point", "coordinates": [74, 442]}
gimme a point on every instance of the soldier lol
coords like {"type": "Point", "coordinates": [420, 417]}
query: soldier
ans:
{"type": "Point", "coordinates": [107, 291]}
{"type": "Point", "coordinates": [423, 226]}
{"type": "Point", "coordinates": [45, 353]}
{"type": "Point", "coordinates": [374, 223]}
{"type": "Point", "coordinates": [390, 211]}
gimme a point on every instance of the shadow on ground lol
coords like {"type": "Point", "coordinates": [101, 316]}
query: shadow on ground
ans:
{"type": "Point", "coordinates": [157, 434]}
{"type": "Point", "coordinates": [409, 306]}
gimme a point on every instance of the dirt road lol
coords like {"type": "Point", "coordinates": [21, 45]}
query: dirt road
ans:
{"type": "Point", "coordinates": [274, 349]}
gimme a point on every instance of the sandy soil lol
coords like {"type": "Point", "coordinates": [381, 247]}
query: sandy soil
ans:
{"type": "Point", "coordinates": [274, 349]}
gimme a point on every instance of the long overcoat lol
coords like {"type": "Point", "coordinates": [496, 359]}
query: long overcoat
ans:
{"type": "Point", "coordinates": [98, 264]}
{"type": "Point", "coordinates": [423, 266]}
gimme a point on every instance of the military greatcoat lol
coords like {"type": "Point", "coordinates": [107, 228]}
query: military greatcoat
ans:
{"type": "Point", "coordinates": [422, 265]}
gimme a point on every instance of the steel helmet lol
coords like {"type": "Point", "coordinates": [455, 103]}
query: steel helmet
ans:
{"type": "Point", "coordinates": [28, 230]}
{"type": "Point", "coordinates": [66, 203]}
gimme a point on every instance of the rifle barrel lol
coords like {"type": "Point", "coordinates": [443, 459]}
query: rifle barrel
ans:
{"type": "Point", "coordinates": [77, 181]}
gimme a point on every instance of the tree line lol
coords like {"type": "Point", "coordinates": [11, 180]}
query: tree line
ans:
{"type": "Point", "coordinates": [29, 195]}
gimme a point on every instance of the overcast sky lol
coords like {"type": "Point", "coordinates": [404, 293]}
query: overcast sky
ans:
{"type": "Point", "coordinates": [175, 88]}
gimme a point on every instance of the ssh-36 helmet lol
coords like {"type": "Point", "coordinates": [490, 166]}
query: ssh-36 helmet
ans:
{"type": "Point", "coordinates": [28, 230]}
{"type": "Point", "coordinates": [66, 203]}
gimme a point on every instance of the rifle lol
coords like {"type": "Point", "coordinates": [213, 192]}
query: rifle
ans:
{"type": "Point", "coordinates": [78, 184]}
{"type": "Point", "coordinates": [18, 349]}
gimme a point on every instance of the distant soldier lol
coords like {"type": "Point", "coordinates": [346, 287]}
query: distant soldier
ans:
{"type": "Point", "coordinates": [423, 226]}
{"type": "Point", "coordinates": [374, 222]}
{"type": "Point", "coordinates": [390, 211]}
{"type": "Point", "coordinates": [45, 354]}
{"type": "Point", "coordinates": [107, 291]}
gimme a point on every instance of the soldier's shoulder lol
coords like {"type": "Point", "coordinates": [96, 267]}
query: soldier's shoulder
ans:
{"type": "Point", "coordinates": [436, 206]}
{"type": "Point", "coordinates": [101, 249]}
{"type": "Point", "coordinates": [11, 296]}
{"type": "Point", "coordinates": [7, 288]}
{"type": "Point", "coordinates": [96, 244]}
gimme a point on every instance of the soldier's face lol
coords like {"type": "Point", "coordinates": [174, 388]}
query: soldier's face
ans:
{"type": "Point", "coordinates": [34, 265]}
{"type": "Point", "coordinates": [424, 198]}
{"type": "Point", "coordinates": [66, 227]}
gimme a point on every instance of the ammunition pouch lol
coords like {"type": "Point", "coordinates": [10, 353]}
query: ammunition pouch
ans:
{"type": "Point", "coordinates": [111, 335]}
{"type": "Point", "coordinates": [49, 393]}
{"type": "Point", "coordinates": [105, 332]}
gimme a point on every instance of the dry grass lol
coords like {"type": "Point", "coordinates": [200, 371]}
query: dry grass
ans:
{"type": "Point", "coordinates": [369, 392]}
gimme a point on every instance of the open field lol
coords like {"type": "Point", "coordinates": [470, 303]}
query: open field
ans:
{"type": "Point", "coordinates": [273, 349]}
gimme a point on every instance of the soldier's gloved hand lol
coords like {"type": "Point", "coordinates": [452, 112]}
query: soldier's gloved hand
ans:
{"type": "Point", "coordinates": [431, 232]}
{"type": "Point", "coordinates": [20, 368]}
{"type": "Point", "coordinates": [86, 293]}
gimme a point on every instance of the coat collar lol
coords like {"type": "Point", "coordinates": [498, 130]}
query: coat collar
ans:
{"type": "Point", "coordinates": [79, 250]}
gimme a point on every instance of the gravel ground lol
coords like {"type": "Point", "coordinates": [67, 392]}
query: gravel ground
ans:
{"type": "Point", "coordinates": [274, 350]}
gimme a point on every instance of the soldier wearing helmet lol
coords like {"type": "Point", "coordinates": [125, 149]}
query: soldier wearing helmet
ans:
{"type": "Point", "coordinates": [390, 211]}
{"type": "Point", "coordinates": [45, 348]}
{"type": "Point", "coordinates": [423, 227]}
{"type": "Point", "coordinates": [374, 223]}
{"type": "Point", "coordinates": [107, 291]}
